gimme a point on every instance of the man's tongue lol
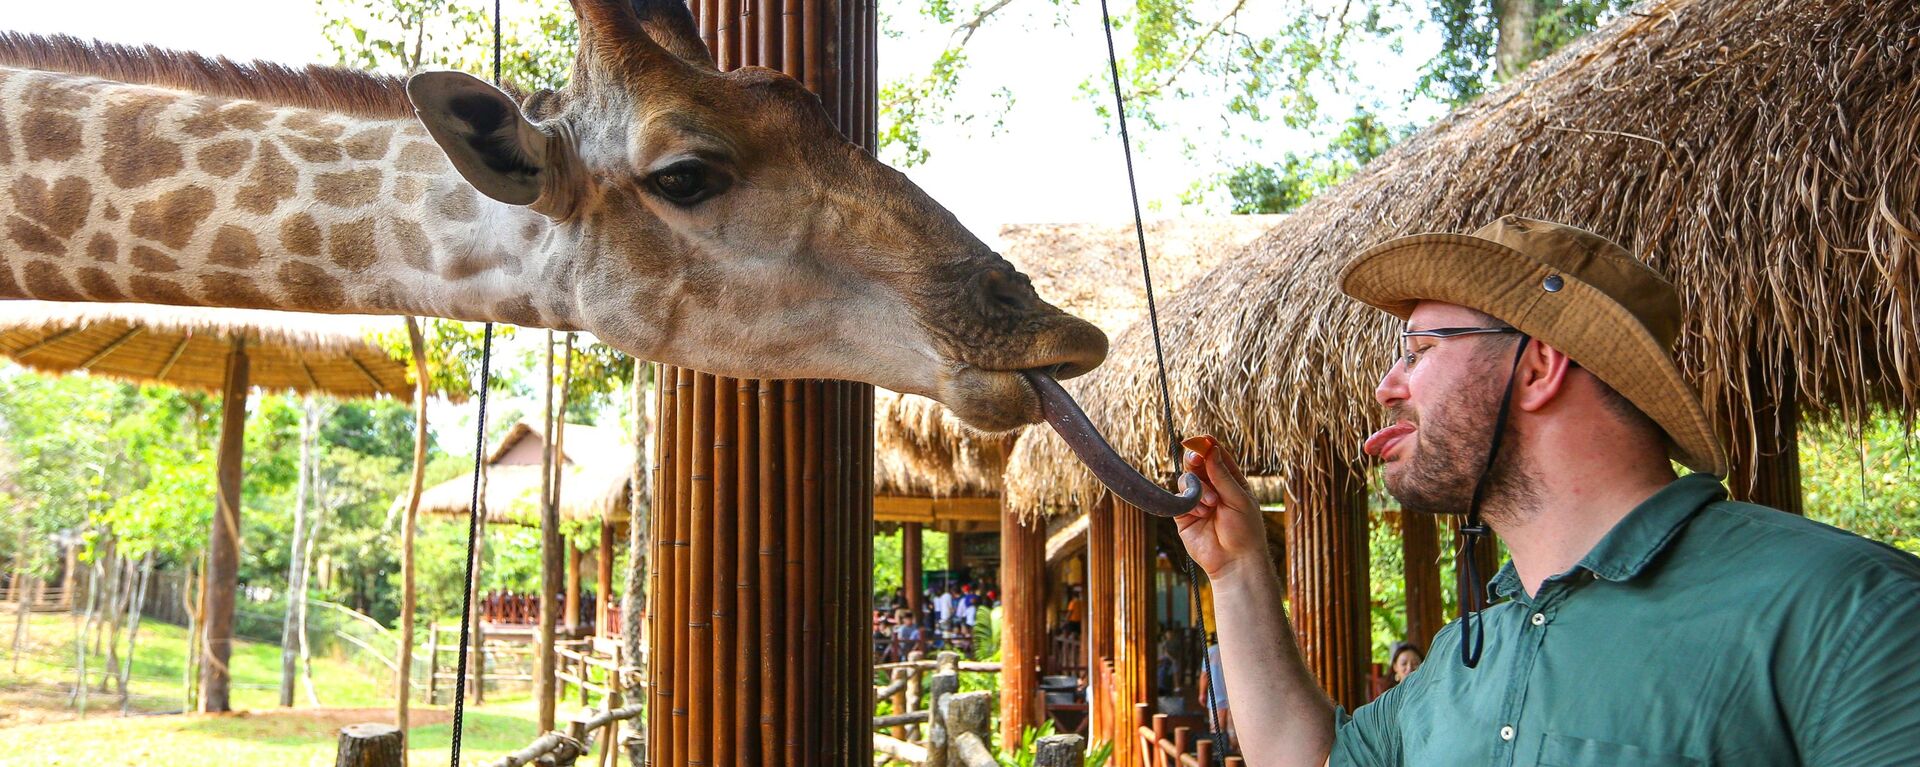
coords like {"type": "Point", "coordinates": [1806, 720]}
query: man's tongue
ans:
{"type": "Point", "coordinates": [1378, 443]}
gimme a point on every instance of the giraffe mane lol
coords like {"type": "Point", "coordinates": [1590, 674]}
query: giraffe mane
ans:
{"type": "Point", "coordinates": [332, 89]}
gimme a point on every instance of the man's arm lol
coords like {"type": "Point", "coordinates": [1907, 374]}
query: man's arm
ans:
{"type": "Point", "coordinates": [1285, 719]}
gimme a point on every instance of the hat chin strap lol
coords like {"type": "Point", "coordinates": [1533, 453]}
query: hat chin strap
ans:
{"type": "Point", "coordinates": [1472, 629]}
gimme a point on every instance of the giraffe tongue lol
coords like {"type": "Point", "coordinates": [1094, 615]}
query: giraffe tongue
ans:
{"type": "Point", "coordinates": [1071, 423]}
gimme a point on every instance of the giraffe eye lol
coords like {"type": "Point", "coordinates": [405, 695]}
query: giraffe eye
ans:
{"type": "Point", "coordinates": [689, 183]}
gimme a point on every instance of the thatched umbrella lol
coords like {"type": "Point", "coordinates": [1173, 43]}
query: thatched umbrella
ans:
{"type": "Point", "coordinates": [599, 469]}
{"type": "Point", "coordinates": [225, 350]}
{"type": "Point", "coordinates": [1765, 156]}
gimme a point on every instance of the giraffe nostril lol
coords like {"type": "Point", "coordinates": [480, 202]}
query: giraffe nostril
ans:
{"type": "Point", "coordinates": [1003, 290]}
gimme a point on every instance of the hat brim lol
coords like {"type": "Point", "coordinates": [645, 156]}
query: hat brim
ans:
{"type": "Point", "coordinates": [1578, 319]}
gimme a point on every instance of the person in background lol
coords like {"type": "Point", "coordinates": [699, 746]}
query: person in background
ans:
{"type": "Point", "coordinates": [1214, 692]}
{"type": "Point", "coordinates": [1403, 660]}
{"type": "Point", "coordinates": [1074, 608]}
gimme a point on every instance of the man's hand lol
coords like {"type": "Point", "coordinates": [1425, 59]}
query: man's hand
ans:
{"type": "Point", "coordinates": [1224, 531]}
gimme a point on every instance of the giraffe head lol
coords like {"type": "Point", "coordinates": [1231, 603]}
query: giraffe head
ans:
{"type": "Point", "coordinates": [778, 247]}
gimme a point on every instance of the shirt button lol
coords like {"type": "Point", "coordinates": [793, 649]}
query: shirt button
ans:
{"type": "Point", "coordinates": [1539, 619]}
{"type": "Point", "coordinates": [1506, 733]}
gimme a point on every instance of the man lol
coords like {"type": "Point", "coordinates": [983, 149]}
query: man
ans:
{"type": "Point", "coordinates": [1642, 619]}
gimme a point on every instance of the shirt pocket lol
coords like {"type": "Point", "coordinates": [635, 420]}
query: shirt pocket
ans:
{"type": "Point", "coordinates": [1569, 751]}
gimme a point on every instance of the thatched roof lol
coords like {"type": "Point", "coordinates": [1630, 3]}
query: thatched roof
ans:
{"type": "Point", "coordinates": [1090, 270]}
{"type": "Point", "coordinates": [599, 466]}
{"type": "Point", "coordinates": [1765, 156]}
{"type": "Point", "coordinates": [188, 347]}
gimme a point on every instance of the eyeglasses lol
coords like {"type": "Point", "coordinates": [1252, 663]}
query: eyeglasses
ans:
{"type": "Point", "coordinates": [1411, 356]}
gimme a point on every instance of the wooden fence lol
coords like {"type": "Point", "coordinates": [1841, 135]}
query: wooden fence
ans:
{"type": "Point", "coordinates": [1163, 744]}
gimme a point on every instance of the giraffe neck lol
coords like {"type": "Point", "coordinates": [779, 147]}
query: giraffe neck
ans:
{"type": "Point", "coordinates": [119, 192]}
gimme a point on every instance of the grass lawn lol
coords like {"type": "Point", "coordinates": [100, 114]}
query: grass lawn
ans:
{"type": "Point", "coordinates": [38, 727]}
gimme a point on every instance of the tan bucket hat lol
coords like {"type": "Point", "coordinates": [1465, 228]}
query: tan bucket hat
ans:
{"type": "Point", "coordinates": [1571, 288]}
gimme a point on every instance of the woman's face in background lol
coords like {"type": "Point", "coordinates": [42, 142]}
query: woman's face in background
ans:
{"type": "Point", "coordinates": [1404, 664]}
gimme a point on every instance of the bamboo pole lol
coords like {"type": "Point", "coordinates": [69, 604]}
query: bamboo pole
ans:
{"type": "Point", "coordinates": [1327, 574]}
{"type": "Point", "coordinates": [746, 658]}
{"type": "Point", "coordinates": [699, 653]}
{"type": "Point", "coordinates": [684, 585]}
{"type": "Point", "coordinates": [603, 577]}
{"type": "Point", "coordinates": [1097, 631]}
{"type": "Point", "coordinates": [1134, 634]}
{"type": "Point", "coordinates": [773, 565]}
{"type": "Point", "coordinates": [811, 601]}
{"type": "Point", "coordinates": [724, 589]}
{"type": "Point", "coordinates": [661, 621]}
{"type": "Point", "coordinates": [794, 450]}
{"type": "Point", "coordinates": [545, 661]}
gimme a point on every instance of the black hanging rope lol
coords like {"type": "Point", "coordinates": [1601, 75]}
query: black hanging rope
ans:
{"type": "Point", "coordinates": [1166, 395]}
{"type": "Point", "coordinates": [473, 510]}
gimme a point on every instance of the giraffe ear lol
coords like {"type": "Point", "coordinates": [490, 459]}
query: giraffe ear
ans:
{"type": "Point", "coordinates": [490, 142]}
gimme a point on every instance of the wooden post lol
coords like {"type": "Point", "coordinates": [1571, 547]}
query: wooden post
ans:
{"type": "Point", "coordinates": [571, 615]}
{"type": "Point", "coordinates": [1764, 453]}
{"type": "Point", "coordinates": [223, 541]}
{"type": "Point", "coordinates": [433, 662]}
{"type": "Point", "coordinates": [805, 447]}
{"type": "Point", "coordinates": [1420, 550]}
{"type": "Point", "coordinates": [1097, 632]}
{"type": "Point", "coordinates": [1023, 582]}
{"type": "Point", "coordinates": [603, 605]}
{"type": "Point", "coordinates": [1327, 573]}
{"type": "Point", "coordinates": [911, 558]}
{"type": "Point", "coordinates": [1134, 637]}
{"type": "Point", "coordinates": [545, 662]}
{"type": "Point", "coordinates": [369, 745]}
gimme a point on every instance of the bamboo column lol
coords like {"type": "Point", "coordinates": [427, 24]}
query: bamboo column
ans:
{"type": "Point", "coordinates": [912, 559]}
{"type": "Point", "coordinates": [223, 542]}
{"type": "Point", "coordinates": [1134, 634]}
{"type": "Point", "coordinates": [570, 619]}
{"type": "Point", "coordinates": [1420, 550]}
{"type": "Point", "coordinates": [1023, 581]}
{"type": "Point", "coordinates": [1764, 453]}
{"type": "Point", "coordinates": [1096, 631]}
{"type": "Point", "coordinates": [1327, 573]}
{"type": "Point", "coordinates": [762, 515]}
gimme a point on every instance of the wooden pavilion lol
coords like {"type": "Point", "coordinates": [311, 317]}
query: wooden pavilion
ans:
{"type": "Point", "coordinates": [931, 471]}
{"type": "Point", "coordinates": [1764, 156]}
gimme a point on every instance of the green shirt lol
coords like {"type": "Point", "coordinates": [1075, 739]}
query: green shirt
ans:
{"type": "Point", "coordinates": [1699, 631]}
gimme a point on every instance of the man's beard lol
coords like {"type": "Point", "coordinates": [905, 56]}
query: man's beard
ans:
{"type": "Point", "coordinates": [1453, 437]}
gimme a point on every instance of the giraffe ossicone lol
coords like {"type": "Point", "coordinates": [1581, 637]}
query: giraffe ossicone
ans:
{"type": "Point", "coordinates": [712, 220]}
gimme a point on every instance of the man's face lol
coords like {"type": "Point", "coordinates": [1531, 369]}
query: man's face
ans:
{"type": "Point", "coordinates": [1441, 397]}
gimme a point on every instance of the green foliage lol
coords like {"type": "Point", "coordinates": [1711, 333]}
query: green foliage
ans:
{"type": "Point", "coordinates": [1863, 480]}
{"type": "Point", "coordinates": [889, 568]}
{"type": "Point", "coordinates": [1297, 178]}
{"type": "Point", "coordinates": [1023, 753]}
{"type": "Point", "coordinates": [1470, 31]}
{"type": "Point", "coordinates": [407, 36]}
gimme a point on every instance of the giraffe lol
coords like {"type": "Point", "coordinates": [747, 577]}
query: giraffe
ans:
{"type": "Point", "coordinates": [710, 220]}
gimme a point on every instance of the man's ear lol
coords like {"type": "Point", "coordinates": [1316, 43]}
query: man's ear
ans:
{"type": "Point", "coordinates": [483, 133]}
{"type": "Point", "coordinates": [1541, 376]}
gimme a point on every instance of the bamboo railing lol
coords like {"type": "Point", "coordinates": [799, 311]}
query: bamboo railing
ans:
{"type": "Point", "coordinates": [1165, 745]}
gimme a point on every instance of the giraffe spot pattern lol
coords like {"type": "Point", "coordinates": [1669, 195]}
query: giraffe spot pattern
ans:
{"type": "Point", "coordinates": [347, 189]}
{"type": "Point", "coordinates": [58, 95]}
{"type": "Point", "coordinates": [309, 287]}
{"type": "Point", "coordinates": [155, 290]}
{"type": "Point", "coordinates": [234, 289]}
{"type": "Point", "coordinates": [459, 203]}
{"type": "Point", "coordinates": [173, 218]}
{"type": "Point", "coordinates": [350, 245]}
{"type": "Point", "coordinates": [102, 248]}
{"type": "Point", "coordinates": [518, 311]}
{"type": "Point", "coordinates": [222, 159]}
{"type": "Point", "coordinates": [246, 116]}
{"type": "Point", "coordinates": [49, 135]}
{"type": "Point", "coordinates": [111, 212]}
{"type": "Point", "coordinates": [421, 157]}
{"type": "Point", "coordinates": [99, 285]}
{"type": "Point", "coordinates": [314, 125]}
{"type": "Point", "coordinates": [44, 281]}
{"type": "Point", "coordinates": [61, 208]}
{"type": "Point", "coordinates": [300, 235]}
{"type": "Point", "coordinates": [234, 246]}
{"type": "Point", "coordinates": [272, 181]}
{"type": "Point", "coordinates": [408, 190]}
{"type": "Point", "coordinates": [312, 149]}
{"type": "Point", "coordinates": [149, 259]}
{"type": "Point", "coordinates": [205, 120]}
{"type": "Point", "coordinates": [369, 144]}
{"type": "Point", "coordinates": [415, 248]}
{"type": "Point", "coordinates": [8, 287]}
{"type": "Point", "coordinates": [6, 143]}
{"type": "Point", "coordinates": [31, 238]}
{"type": "Point", "coordinates": [387, 296]}
{"type": "Point", "coordinates": [141, 156]}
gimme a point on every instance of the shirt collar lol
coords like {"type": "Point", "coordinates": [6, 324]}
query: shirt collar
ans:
{"type": "Point", "coordinates": [1637, 538]}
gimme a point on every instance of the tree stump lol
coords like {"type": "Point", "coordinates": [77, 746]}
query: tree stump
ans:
{"type": "Point", "coordinates": [369, 745]}
{"type": "Point", "coordinates": [1060, 751]}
